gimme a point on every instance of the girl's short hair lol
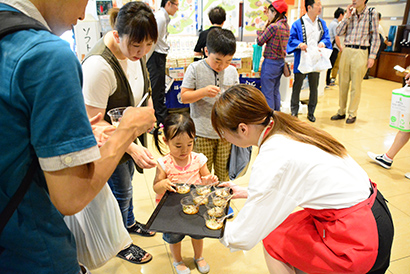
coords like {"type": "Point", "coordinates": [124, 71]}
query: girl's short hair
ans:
{"type": "Point", "coordinates": [136, 20]}
{"type": "Point", "coordinates": [246, 104]}
{"type": "Point", "coordinates": [174, 125]}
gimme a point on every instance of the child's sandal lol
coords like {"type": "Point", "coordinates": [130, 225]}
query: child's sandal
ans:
{"type": "Point", "coordinates": [185, 271]}
{"type": "Point", "coordinates": [203, 269]}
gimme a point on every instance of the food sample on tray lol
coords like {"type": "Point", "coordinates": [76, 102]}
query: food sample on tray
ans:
{"type": "Point", "coordinates": [216, 211]}
{"type": "Point", "coordinates": [203, 189]}
{"type": "Point", "coordinates": [222, 192]}
{"type": "Point", "coordinates": [213, 224]}
{"type": "Point", "coordinates": [182, 188]}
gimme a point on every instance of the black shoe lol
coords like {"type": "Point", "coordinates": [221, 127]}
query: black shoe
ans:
{"type": "Point", "coordinates": [134, 254]}
{"type": "Point", "coordinates": [338, 117]}
{"type": "Point", "coordinates": [140, 229]}
{"type": "Point", "coordinates": [350, 120]}
{"type": "Point", "coordinates": [311, 118]}
{"type": "Point", "coordinates": [295, 115]}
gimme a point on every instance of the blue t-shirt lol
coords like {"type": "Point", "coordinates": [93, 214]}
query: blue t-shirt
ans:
{"type": "Point", "coordinates": [42, 112]}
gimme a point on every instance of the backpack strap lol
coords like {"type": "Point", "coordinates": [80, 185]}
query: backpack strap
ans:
{"type": "Point", "coordinates": [13, 21]}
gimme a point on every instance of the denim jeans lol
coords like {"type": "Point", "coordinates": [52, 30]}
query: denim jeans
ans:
{"type": "Point", "coordinates": [120, 183]}
{"type": "Point", "coordinates": [271, 72]}
{"type": "Point", "coordinates": [173, 238]}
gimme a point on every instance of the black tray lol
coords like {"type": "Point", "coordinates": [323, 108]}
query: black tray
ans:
{"type": "Point", "coordinates": [168, 217]}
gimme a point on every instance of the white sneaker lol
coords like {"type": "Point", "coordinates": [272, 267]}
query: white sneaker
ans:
{"type": "Point", "coordinates": [378, 158]}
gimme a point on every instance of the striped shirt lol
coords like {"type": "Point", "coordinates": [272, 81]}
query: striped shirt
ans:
{"type": "Point", "coordinates": [357, 30]}
{"type": "Point", "coordinates": [272, 36]}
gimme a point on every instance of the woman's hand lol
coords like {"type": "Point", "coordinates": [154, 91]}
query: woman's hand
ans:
{"type": "Point", "coordinates": [141, 156]}
{"type": "Point", "coordinates": [238, 191]}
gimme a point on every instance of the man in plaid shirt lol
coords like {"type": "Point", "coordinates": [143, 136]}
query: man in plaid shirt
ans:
{"type": "Point", "coordinates": [360, 27]}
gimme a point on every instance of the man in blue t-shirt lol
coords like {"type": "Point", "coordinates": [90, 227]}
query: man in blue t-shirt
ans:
{"type": "Point", "coordinates": [43, 115]}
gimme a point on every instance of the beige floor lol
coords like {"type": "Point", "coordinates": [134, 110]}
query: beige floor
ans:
{"type": "Point", "coordinates": [371, 132]}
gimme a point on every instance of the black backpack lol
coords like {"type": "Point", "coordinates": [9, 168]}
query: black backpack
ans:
{"type": "Point", "coordinates": [12, 21]}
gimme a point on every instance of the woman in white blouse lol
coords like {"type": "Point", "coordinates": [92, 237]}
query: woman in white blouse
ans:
{"type": "Point", "coordinates": [344, 225]}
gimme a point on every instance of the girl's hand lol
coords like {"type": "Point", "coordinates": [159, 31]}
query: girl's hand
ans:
{"type": "Point", "coordinates": [209, 179]}
{"type": "Point", "coordinates": [165, 185]}
{"type": "Point", "coordinates": [238, 191]}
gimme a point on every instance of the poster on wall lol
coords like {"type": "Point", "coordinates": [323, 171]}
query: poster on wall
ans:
{"type": "Point", "coordinates": [185, 21]}
{"type": "Point", "coordinates": [253, 19]}
{"type": "Point", "coordinates": [232, 14]}
{"type": "Point", "coordinates": [103, 7]}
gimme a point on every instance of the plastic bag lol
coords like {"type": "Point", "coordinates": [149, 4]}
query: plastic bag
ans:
{"type": "Point", "coordinates": [99, 230]}
{"type": "Point", "coordinates": [256, 58]}
{"type": "Point", "coordinates": [315, 60]}
{"type": "Point", "coordinates": [400, 109]}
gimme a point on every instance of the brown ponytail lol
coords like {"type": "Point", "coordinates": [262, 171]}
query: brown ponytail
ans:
{"type": "Point", "coordinates": [246, 104]}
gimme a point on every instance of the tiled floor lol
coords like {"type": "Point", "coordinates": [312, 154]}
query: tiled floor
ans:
{"type": "Point", "coordinates": [370, 132]}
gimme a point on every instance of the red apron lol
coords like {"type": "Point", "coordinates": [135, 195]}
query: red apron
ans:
{"type": "Point", "coordinates": [328, 240]}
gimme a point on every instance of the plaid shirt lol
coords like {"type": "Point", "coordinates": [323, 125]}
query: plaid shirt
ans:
{"type": "Point", "coordinates": [358, 32]}
{"type": "Point", "coordinates": [272, 36]}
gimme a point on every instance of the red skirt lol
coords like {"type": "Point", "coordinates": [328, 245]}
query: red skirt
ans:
{"type": "Point", "coordinates": [329, 240]}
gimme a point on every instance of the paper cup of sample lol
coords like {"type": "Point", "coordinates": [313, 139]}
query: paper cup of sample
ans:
{"type": "Point", "coordinates": [116, 115]}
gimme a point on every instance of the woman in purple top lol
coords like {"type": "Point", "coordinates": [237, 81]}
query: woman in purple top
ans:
{"type": "Point", "coordinates": [276, 36]}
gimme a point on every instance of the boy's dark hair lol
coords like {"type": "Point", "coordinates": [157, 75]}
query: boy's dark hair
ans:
{"type": "Point", "coordinates": [217, 15]}
{"type": "Point", "coordinates": [338, 12]}
{"type": "Point", "coordinates": [221, 41]}
{"type": "Point", "coordinates": [163, 3]}
{"type": "Point", "coordinates": [380, 15]}
{"type": "Point", "coordinates": [309, 3]}
{"type": "Point", "coordinates": [365, 2]}
{"type": "Point", "coordinates": [175, 124]}
{"type": "Point", "coordinates": [137, 21]}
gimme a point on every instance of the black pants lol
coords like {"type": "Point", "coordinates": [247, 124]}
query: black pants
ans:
{"type": "Point", "coordinates": [313, 78]}
{"type": "Point", "coordinates": [386, 231]}
{"type": "Point", "coordinates": [156, 69]}
{"type": "Point", "coordinates": [333, 58]}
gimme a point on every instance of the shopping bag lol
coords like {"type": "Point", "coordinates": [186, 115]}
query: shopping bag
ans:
{"type": "Point", "coordinates": [400, 109]}
{"type": "Point", "coordinates": [99, 230]}
{"type": "Point", "coordinates": [315, 59]}
{"type": "Point", "coordinates": [256, 58]}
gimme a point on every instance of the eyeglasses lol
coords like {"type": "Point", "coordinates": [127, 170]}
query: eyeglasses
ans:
{"type": "Point", "coordinates": [176, 4]}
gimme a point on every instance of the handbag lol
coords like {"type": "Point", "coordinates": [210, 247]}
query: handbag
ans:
{"type": "Point", "coordinates": [286, 68]}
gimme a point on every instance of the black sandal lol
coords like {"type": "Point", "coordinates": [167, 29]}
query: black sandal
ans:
{"type": "Point", "coordinates": [140, 229]}
{"type": "Point", "coordinates": [134, 254]}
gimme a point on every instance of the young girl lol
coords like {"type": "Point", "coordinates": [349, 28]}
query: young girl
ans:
{"type": "Point", "coordinates": [181, 164]}
{"type": "Point", "coordinates": [344, 226]}
{"type": "Point", "coordinates": [276, 36]}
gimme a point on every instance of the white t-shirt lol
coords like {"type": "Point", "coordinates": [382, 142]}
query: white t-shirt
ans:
{"type": "Point", "coordinates": [287, 174]}
{"type": "Point", "coordinates": [100, 82]}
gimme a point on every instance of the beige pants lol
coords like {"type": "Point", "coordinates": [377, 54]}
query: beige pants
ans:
{"type": "Point", "coordinates": [352, 68]}
{"type": "Point", "coordinates": [335, 68]}
{"type": "Point", "coordinates": [217, 151]}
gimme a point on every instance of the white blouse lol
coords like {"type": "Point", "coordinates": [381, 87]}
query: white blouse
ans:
{"type": "Point", "coordinates": [287, 174]}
